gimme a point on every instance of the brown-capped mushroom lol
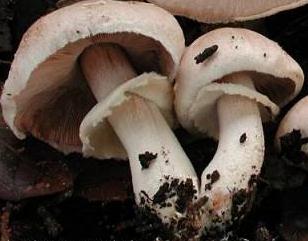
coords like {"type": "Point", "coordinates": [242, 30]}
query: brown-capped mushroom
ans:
{"type": "Point", "coordinates": [224, 77]}
{"type": "Point", "coordinates": [295, 119]}
{"type": "Point", "coordinates": [218, 11]}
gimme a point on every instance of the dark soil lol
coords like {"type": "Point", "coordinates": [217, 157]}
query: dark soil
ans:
{"type": "Point", "coordinates": [86, 199]}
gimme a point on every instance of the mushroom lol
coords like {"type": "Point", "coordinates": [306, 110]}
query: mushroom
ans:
{"type": "Point", "coordinates": [295, 119]}
{"type": "Point", "coordinates": [213, 11]}
{"type": "Point", "coordinates": [46, 94]}
{"type": "Point", "coordinates": [227, 81]}
{"type": "Point", "coordinates": [117, 54]}
{"type": "Point", "coordinates": [133, 118]}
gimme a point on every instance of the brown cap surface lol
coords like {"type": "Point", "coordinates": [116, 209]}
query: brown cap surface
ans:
{"type": "Point", "coordinates": [215, 11]}
{"type": "Point", "coordinates": [46, 93]}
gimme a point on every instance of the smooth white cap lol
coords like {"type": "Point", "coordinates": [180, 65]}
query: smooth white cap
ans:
{"type": "Point", "coordinates": [276, 76]}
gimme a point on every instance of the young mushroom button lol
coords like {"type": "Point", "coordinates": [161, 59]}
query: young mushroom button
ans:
{"type": "Point", "coordinates": [217, 11]}
{"type": "Point", "coordinates": [225, 95]}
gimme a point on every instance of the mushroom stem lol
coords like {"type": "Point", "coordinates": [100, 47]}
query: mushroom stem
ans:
{"type": "Point", "coordinates": [228, 179]}
{"type": "Point", "coordinates": [163, 177]}
{"type": "Point", "coordinates": [158, 164]}
{"type": "Point", "coordinates": [105, 67]}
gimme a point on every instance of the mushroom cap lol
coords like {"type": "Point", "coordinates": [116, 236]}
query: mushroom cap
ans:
{"type": "Point", "coordinates": [219, 11]}
{"type": "Point", "coordinates": [46, 94]}
{"type": "Point", "coordinates": [276, 76]}
{"type": "Point", "coordinates": [295, 119]}
{"type": "Point", "coordinates": [98, 138]}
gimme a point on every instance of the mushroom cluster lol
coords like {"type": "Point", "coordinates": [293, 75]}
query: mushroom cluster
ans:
{"type": "Point", "coordinates": [101, 84]}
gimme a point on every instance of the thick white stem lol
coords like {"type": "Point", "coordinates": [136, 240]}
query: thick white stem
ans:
{"type": "Point", "coordinates": [163, 178]}
{"type": "Point", "coordinates": [228, 179]}
{"type": "Point", "coordinates": [156, 159]}
{"type": "Point", "coordinates": [105, 67]}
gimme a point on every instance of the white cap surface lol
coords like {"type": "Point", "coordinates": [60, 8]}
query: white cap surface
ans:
{"type": "Point", "coordinates": [276, 76]}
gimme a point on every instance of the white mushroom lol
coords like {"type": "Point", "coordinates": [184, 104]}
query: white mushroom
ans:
{"type": "Point", "coordinates": [133, 112]}
{"type": "Point", "coordinates": [107, 43]}
{"type": "Point", "coordinates": [133, 119]}
{"type": "Point", "coordinates": [223, 78]}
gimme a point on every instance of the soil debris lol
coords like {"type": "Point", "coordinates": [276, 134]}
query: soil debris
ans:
{"type": "Point", "coordinates": [243, 138]}
{"type": "Point", "coordinates": [182, 191]}
{"type": "Point", "coordinates": [207, 52]}
{"type": "Point", "coordinates": [213, 177]}
{"type": "Point", "coordinates": [146, 158]}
